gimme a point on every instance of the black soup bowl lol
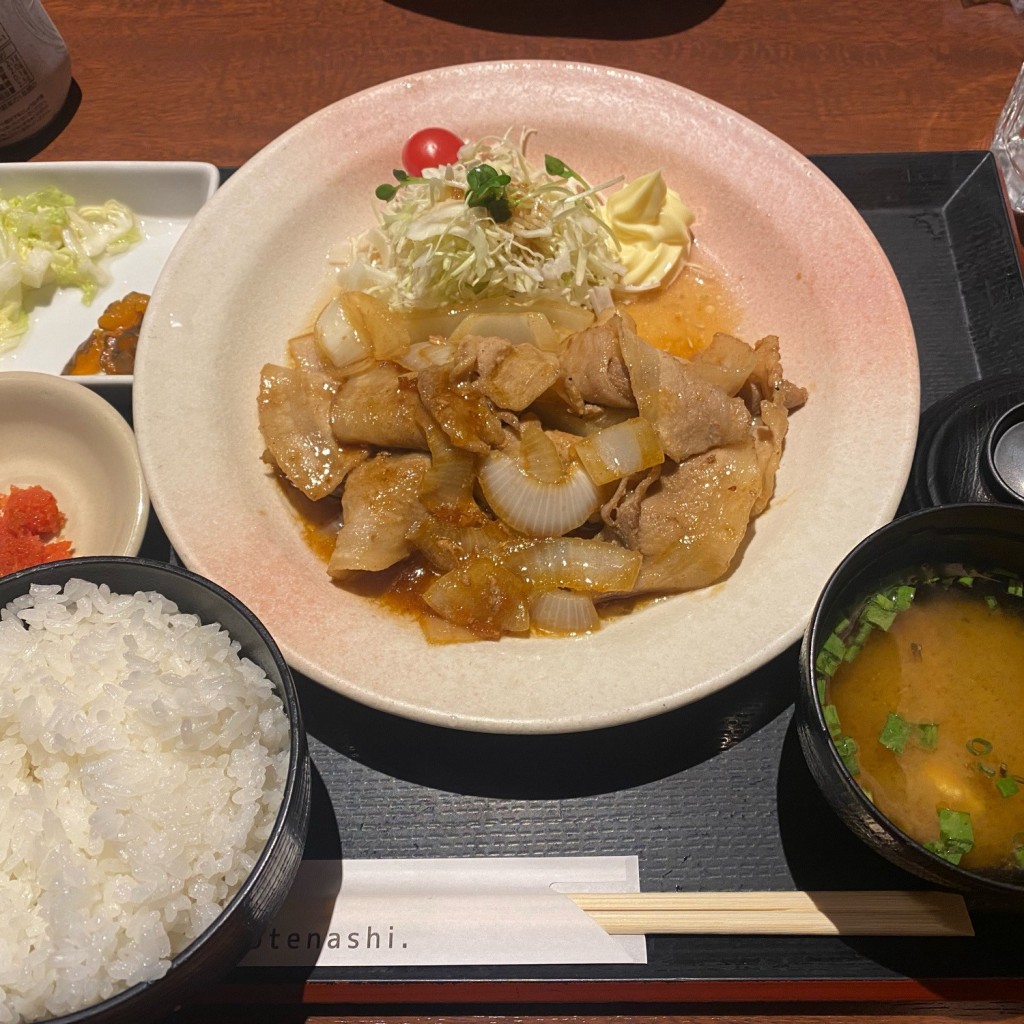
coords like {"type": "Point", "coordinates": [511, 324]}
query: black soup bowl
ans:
{"type": "Point", "coordinates": [244, 917]}
{"type": "Point", "coordinates": [987, 537]}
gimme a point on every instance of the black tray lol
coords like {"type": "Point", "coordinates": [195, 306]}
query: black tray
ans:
{"type": "Point", "coordinates": [715, 796]}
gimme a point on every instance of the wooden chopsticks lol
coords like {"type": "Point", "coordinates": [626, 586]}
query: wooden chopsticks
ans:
{"type": "Point", "coordinates": [778, 913]}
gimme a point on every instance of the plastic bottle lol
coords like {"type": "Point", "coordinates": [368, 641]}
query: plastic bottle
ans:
{"type": "Point", "coordinates": [35, 70]}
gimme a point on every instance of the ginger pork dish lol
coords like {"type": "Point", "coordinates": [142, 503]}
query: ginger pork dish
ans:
{"type": "Point", "coordinates": [516, 414]}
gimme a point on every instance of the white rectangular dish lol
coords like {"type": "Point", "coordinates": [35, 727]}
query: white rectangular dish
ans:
{"type": "Point", "coordinates": [163, 195]}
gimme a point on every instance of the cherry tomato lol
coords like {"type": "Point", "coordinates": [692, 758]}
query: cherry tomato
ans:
{"type": "Point", "coordinates": [430, 147]}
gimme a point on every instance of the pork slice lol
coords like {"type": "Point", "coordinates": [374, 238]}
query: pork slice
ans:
{"type": "Point", "coordinates": [294, 409]}
{"type": "Point", "coordinates": [621, 513]}
{"type": "Point", "coordinates": [565, 401]}
{"type": "Point", "coordinates": [473, 352]}
{"type": "Point", "coordinates": [593, 363]}
{"type": "Point", "coordinates": [379, 407]}
{"type": "Point", "coordinates": [769, 436]}
{"type": "Point", "coordinates": [468, 417]}
{"type": "Point", "coordinates": [380, 510]}
{"type": "Point", "coordinates": [692, 416]}
{"type": "Point", "coordinates": [511, 376]}
{"type": "Point", "coordinates": [555, 409]}
{"type": "Point", "coordinates": [767, 382]}
{"type": "Point", "coordinates": [694, 520]}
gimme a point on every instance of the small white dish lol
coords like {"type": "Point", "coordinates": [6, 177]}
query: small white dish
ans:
{"type": "Point", "coordinates": [59, 434]}
{"type": "Point", "coordinates": [163, 195]}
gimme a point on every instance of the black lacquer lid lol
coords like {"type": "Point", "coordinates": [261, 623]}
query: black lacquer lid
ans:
{"type": "Point", "coordinates": [970, 447]}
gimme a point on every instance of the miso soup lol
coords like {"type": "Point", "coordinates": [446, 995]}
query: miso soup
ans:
{"type": "Point", "coordinates": [923, 690]}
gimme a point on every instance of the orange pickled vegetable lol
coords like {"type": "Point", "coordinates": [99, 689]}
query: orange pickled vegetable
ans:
{"type": "Point", "coordinates": [111, 347]}
{"type": "Point", "coordinates": [29, 522]}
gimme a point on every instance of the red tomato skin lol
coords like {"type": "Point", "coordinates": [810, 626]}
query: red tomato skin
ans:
{"type": "Point", "coordinates": [430, 147]}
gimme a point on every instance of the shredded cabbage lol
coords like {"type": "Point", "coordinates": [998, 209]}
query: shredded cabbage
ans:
{"type": "Point", "coordinates": [47, 239]}
{"type": "Point", "coordinates": [431, 250]}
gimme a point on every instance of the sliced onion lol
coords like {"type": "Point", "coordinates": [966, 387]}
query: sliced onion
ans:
{"type": "Point", "coordinates": [563, 317]}
{"type": "Point", "coordinates": [601, 299]}
{"type": "Point", "coordinates": [538, 454]}
{"type": "Point", "coordinates": [447, 489]}
{"type": "Point", "coordinates": [440, 631]}
{"type": "Point", "coordinates": [426, 324]}
{"type": "Point", "coordinates": [726, 363]}
{"type": "Point", "coordinates": [532, 506]}
{"type": "Point", "coordinates": [521, 327]}
{"type": "Point", "coordinates": [481, 596]}
{"type": "Point", "coordinates": [574, 563]}
{"type": "Point", "coordinates": [381, 329]}
{"type": "Point", "coordinates": [644, 364]}
{"type": "Point", "coordinates": [620, 450]}
{"type": "Point", "coordinates": [564, 613]}
{"type": "Point", "coordinates": [447, 486]}
{"type": "Point", "coordinates": [337, 338]}
{"type": "Point", "coordinates": [422, 354]}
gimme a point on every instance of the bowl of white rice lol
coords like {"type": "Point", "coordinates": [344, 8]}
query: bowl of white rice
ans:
{"type": "Point", "coordinates": [154, 788]}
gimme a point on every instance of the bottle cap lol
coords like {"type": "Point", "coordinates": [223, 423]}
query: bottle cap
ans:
{"type": "Point", "coordinates": [970, 447]}
{"type": "Point", "coordinates": [35, 71]}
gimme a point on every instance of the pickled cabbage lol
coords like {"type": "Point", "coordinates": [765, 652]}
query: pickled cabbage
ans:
{"type": "Point", "coordinates": [47, 239]}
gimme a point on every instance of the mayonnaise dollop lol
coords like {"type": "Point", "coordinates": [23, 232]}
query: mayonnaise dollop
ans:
{"type": "Point", "coordinates": [652, 225]}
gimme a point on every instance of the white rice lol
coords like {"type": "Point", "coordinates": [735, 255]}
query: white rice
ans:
{"type": "Point", "coordinates": [142, 763]}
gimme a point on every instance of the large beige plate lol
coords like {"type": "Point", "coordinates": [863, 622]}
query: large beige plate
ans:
{"type": "Point", "coordinates": [251, 270]}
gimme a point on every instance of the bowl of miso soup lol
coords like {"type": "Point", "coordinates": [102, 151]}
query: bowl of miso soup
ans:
{"type": "Point", "coordinates": [911, 706]}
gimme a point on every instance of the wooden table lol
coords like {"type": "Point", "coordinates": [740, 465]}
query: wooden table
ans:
{"type": "Point", "coordinates": [217, 80]}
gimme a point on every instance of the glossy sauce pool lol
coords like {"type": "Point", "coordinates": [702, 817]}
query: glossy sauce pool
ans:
{"type": "Point", "coordinates": [685, 316]}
